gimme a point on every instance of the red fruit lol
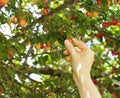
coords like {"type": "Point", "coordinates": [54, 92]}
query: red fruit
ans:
{"type": "Point", "coordinates": [114, 22]}
{"type": "Point", "coordinates": [45, 11]}
{"type": "Point", "coordinates": [70, 39]}
{"type": "Point", "coordinates": [118, 52]}
{"type": "Point", "coordinates": [105, 24]}
{"type": "Point", "coordinates": [100, 35]}
{"type": "Point", "coordinates": [95, 81]}
{"type": "Point", "coordinates": [42, 46]}
{"type": "Point", "coordinates": [72, 18]}
{"type": "Point", "coordinates": [113, 70]}
{"type": "Point", "coordinates": [88, 14]}
{"type": "Point", "coordinates": [113, 52]}
{"type": "Point", "coordinates": [48, 44]}
{"type": "Point", "coordinates": [10, 53]}
{"type": "Point", "coordinates": [47, 48]}
{"type": "Point", "coordinates": [113, 94]}
{"type": "Point", "coordinates": [107, 39]}
{"type": "Point", "coordinates": [0, 91]}
{"type": "Point", "coordinates": [99, 3]}
{"type": "Point", "coordinates": [3, 2]}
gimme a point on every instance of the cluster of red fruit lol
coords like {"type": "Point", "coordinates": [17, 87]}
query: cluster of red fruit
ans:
{"type": "Point", "coordinates": [113, 22]}
{"type": "Point", "coordinates": [0, 91]}
{"type": "Point", "coordinates": [45, 46]}
{"type": "Point", "coordinates": [115, 52]}
{"type": "Point", "coordinates": [98, 2]}
{"type": "Point", "coordinates": [114, 70]}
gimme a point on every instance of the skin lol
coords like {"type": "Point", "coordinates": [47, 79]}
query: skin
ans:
{"type": "Point", "coordinates": [81, 60]}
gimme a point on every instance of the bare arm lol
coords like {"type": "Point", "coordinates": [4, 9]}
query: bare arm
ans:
{"type": "Point", "coordinates": [82, 59]}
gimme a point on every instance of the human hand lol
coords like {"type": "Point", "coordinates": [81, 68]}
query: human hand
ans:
{"type": "Point", "coordinates": [82, 57]}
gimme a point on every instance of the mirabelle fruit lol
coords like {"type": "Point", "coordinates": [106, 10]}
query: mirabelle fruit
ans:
{"type": "Point", "coordinates": [54, 50]}
{"type": "Point", "coordinates": [3, 2]}
{"type": "Point", "coordinates": [68, 58]}
{"type": "Point", "coordinates": [56, 43]}
{"type": "Point", "coordinates": [37, 46]}
{"type": "Point", "coordinates": [47, 48]}
{"type": "Point", "coordinates": [95, 14]}
{"type": "Point", "coordinates": [45, 11]}
{"type": "Point", "coordinates": [22, 23]}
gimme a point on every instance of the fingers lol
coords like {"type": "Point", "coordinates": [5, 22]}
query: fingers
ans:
{"type": "Point", "coordinates": [70, 47]}
{"type": "Point", "coordinates": [66, 52]}
{"type": "Point", "coordinates": [80, 44]}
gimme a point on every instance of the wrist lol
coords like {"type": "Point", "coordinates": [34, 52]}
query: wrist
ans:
{"type": "Point", "coordinates": [83, 75]}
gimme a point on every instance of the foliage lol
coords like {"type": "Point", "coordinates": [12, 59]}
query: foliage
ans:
{"type": "Point", "coordinates": [32, 34]}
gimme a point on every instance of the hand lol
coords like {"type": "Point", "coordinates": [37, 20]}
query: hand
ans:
{"type": "Point", "coordinates": [82, 59]}
{"type": "Point", "coordinates": [81, 56]}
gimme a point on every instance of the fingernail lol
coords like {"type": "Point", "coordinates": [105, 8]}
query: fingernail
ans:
{"type": "Point", "coordinates": [67, 42]}
{"type": "Point", "coordinates": [74, 39]}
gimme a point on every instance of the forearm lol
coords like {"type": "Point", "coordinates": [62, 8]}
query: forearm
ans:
{"type": "Point", "coordinates": [86, 87]}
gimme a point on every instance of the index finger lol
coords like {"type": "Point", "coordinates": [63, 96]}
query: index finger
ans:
{"type": "Point", "coordinates": [70, 47]}
{"type": "Point", "coordinates": [80, 44]}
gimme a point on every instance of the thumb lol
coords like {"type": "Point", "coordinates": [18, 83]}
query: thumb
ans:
{"type": "Point", "coordinates": [70, 47]}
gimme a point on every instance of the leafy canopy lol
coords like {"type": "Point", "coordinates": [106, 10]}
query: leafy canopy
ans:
{"type": "Point", "coordinates": [32, 34]}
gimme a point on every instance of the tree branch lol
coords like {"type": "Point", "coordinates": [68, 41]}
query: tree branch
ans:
{"type": "Point", "coordinates": [52, 72]}
{"type": "Point", "coordinates": [69, 2]}
{"type": "Point", "coordinates": [106, 34]}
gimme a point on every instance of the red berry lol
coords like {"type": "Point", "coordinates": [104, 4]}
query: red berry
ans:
{"type": "Point", "coordinates": [70, 39]}
{"type": "Point", "coordinates": [114, 22]}
{"type": "Point", "coordinates": [95, 81]}
{"type": "Point", "coordinates": [118, 52]}
{"type": "Point", "coordinates": [113, 70]}
{"type": "Point", "coordinates": [113, 52]}
{"type": "Point", "coordinates": [114, 95]}
{"type": "Point", "coordinates": [105, 24]}
{"type": "Point", "coordinates": [107, 39]}
{"type": "Point", "coordinates": [99, 3]}
{"type": "Point", "coordinates": [0, 91]}
{"type": "Point", "coordinates": [72, 18]}
{"type": "Point", "coordinates": [88, 14]}
{"type": "Point", "coordinates": [99, 35]}
{"type": "Point", "coordinates": [42, 46]}
{"type": "Point", "coordinates": [48, 44]}
{"type": "Point", "coordinates": [45, 11]}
